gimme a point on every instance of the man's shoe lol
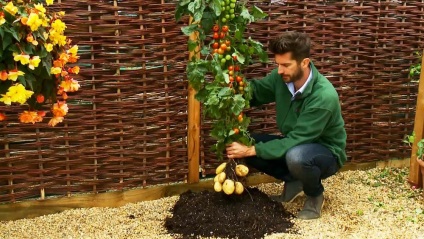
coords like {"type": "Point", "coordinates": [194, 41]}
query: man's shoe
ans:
{"type": "Point", "coordinates": [290, 192]}
{"type": "Point", "coordinates": [312, 208]}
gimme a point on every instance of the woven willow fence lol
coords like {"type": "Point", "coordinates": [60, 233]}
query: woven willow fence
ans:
{"type": "Point", "coordinates": [127, 126]}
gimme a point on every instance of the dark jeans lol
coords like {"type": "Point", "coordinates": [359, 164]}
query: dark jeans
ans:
{"type": "Point", "coordinates": [308, 163]}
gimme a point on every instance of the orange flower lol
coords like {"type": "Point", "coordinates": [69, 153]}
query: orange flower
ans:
{"type": "Point", "coordinates": [74, 70]}
{"type": "Point", "coordinates": [2, 117]}
{"type": "Point", "coordinates": [28, 117]}
{"type": "Point", "coordinates": [70, 85]}
{"type": "Point", "coordinates": [60, 109]}
{"type": "Point", "coordinates": [55, 120]}
{"type": "Point", "coordinates": [3, 75]}
{"type": "Point", "coordinates": [73, 59]}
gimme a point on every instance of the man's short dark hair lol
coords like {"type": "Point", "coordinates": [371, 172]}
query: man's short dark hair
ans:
{"type": "Point", "coordinates": [298, 43]}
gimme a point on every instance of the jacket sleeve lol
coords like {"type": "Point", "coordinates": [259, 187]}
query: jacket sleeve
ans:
{"type": "Point", "coordinates": [263, 91]}
{"type": "Point", "coordinates": [308, 128]}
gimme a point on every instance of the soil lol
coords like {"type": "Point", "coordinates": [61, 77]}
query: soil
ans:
{"type": "Point", "coordinates": [250, 215]}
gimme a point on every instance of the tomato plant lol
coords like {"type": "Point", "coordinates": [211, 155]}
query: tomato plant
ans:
{"type": "Point", "coordinates": [224, 52]}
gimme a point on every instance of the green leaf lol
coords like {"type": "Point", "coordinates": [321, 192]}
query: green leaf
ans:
{"type": "Point", "coordinates": [192, 45]}
{"type": "Point", "coordinates": [240, 57]}
{"type": "Point", "coordinates": [198, 14]}
{"type": "Point", "coordinates": [225, 91]}
{"type": "Point", "coordinates": [258, 13]}
{"type": "Point", "coordinates": [202, 95]}
{"type": "Point", "coordinates": [15, 32]}
{"type": "Point", "coordinates": [238, 104]}
{"type": "Point", "coordinates": [188, 30]}
{"type": "Point", "coordinates": [216, 6]}
{"type": "Point", "coordinates": [208, 21]}
{"type": "Point", "coordinates": [1, 32]}
{"type": "Point", "coordinates": [179, 12]}
{"type": "Point", "coordinates": [183, 2]}
{"type": "Point", "coordinates": [205, 50]}
{"type": "Point", "coordinates": [246, 15]}
{"type": "Point", "coordinates": [7, 40]}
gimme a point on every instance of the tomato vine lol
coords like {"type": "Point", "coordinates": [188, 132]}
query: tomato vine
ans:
{"type": "Point", "coordinates": [224, 52]}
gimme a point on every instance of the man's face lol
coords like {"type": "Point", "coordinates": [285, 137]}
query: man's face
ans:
{"type": "Point", "coordinates": [288, 68]}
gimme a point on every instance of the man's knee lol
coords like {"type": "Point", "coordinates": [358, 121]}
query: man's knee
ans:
{"type": "Point", "coordinates": [294, 159]}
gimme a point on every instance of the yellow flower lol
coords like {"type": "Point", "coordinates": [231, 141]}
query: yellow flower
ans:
{"type": "Point", "coordinates": [55, 120]}
{"type": "Point", "coordinates": [55, 70]}
{"type": "Point", "coordinates": [34, 21]}
{"type": "Point", "coordinates": [58, 26]}
{"type": "Point", "coordinates": [2, 20]}
{"type": "Point", "coordinates": [24, 59]}
{"type": "Point", "coordinates": [40, 7]}
{"type": "Point", "coordinates": [70, 85]}
{"type": "Point", "coordinates": [18, 93]}
{"type": "Point", "coordinates": [34, 62]}
{"type": "Point", "coordinates": [6, 99]}
{"type": "Point", "coordinates": [73, 50]}
{"type": "Point", "coordinates": [13, 75]}
{"type": "Point", "coordinates": [49, 2]}
{"type": "Point", "coordinates": [49, 47]}
{"type": "Point", "coordinates": [11, 8]}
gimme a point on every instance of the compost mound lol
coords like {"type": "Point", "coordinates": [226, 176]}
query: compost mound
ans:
{"type": "Point", "coordinates": [251, 215]}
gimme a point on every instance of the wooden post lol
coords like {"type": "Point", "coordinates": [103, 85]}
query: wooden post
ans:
{"type": "Point", "coordinates": [193, 131]}
{"type": "Point", "coordinates": [414, 171]}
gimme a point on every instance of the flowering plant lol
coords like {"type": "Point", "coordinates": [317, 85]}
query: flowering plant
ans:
{"type": "Point", "coordinates": [34, 53]}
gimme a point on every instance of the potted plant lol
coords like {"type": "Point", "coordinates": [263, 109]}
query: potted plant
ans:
{"type": "Point", "coordinates": [34, 60]}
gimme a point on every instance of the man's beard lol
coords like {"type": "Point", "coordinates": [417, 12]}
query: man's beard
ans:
{"type": "Point", "coordinates": [298, 74]}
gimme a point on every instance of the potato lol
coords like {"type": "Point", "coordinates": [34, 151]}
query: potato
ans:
{"type": "Point", "coordinates": [239, 188]}
{"type": "Point", "coordinates": [220, 168]}
{"type": "Point", "coordinates": [228, 186]}
{"type": "Point", "coordinates": [217, 187]}
{"type": "Point", "coordinates": [241, 170]}
{"type": "Point", "coordinates": [215, 179]}
{"type": "Point", "coordinates": [221, 177]}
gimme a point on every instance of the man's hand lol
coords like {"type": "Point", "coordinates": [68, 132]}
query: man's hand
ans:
{"type": "Point", "coordinates": [236, 150]}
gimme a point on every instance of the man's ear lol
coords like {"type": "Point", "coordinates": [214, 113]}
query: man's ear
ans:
{"type": "Point", "coordinates": [305, 62]}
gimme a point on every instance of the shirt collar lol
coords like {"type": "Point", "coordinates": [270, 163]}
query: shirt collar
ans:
{"type": "Point", "coordinates": [300, 91]}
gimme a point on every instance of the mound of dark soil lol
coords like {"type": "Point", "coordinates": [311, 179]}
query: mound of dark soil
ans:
{"type": "Point", "coordinates": [209, 214]}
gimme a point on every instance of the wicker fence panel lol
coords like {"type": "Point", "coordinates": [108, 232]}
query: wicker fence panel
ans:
{"type": "Point", "coordinates": [365, 49]}
{"type": "Point", "coordinates": [126, 125]}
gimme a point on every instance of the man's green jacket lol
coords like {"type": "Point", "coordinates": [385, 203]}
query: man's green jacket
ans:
{"type": "Point", "coordinates": [312, 117]}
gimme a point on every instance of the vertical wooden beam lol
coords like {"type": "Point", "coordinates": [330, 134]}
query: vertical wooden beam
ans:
{"type": "Point", "coordinates": [193, 131]}
{"type": "Point", "coordinates": [414, 171]}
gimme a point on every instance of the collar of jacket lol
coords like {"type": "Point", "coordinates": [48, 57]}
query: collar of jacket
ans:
{"type": "Point", "coordinates": [308, 89]}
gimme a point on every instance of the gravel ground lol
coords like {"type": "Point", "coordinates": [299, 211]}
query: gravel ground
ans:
{"type": "Point", "coordinates": [377, 203]}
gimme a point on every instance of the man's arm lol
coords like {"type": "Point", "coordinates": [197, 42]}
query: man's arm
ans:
{"type": "Point", "coordinates": [263, 91]}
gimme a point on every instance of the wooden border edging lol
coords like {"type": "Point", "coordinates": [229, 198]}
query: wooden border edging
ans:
{"type": "Point", "coordinates": [35, 208]}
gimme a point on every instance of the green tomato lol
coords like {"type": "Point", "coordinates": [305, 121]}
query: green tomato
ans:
{"type": "Point", "coordinates": [222, 3]}
{"type": "Point", "coordinates": [227, 2]}
{"type": "Point", "coordinates": [227, 16]}
{"type": "Point", "coordinates": [232, 11]}
{"type": "Point", "coordinates": [232, 5]}
{"type": "Point", "coordinates": [220, 56]}
{"type": "Point", "coordinates": [232, 16]}
{"type": "Point", "coordinates": [233, 1]}
{"type": "Point", "coordinates": [223, 61]}
{"type": "Point", "coordinates": [224, 20]}
{"type": "Point", "coordinates": [228, 57]}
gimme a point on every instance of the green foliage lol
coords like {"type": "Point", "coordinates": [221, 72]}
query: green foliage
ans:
{"type": "Point", "coordinates": [414, 70]}
{"type": "Point", "coordinates": [224, 53]}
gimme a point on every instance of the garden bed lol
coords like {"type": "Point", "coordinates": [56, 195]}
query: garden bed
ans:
{"type": "Point", "coordinates": [377, 203]}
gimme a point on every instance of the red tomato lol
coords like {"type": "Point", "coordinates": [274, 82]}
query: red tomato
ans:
{"type": "Point", "coordinates": [225, 28]}
{"type": "Point", "coordinates": [215, 45]}
{"type": "Point", "coordinates": [215, 28]}
{"type": "Point", "coordinates": [215, 35]}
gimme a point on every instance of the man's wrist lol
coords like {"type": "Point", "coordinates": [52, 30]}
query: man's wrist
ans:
{"type": "Point", "coordinates": [252, 151]}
